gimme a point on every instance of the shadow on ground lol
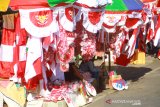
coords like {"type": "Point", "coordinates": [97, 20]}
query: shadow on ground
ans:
{"type": "Point", "coordinates": [131, 73]}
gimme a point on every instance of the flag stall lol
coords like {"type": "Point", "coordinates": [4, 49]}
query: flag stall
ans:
{"type": "Point", "coordinates": [41, 38]}
{"type": "Point", "coordinates": [37, 43]}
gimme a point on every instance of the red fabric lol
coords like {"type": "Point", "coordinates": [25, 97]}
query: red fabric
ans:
{"type": "Point", "coordinates": [69, 13]}
{"type": "Point", "coordinates": [146, 1]}
{"type": "Point", "coordinates": [47, 40]}
{"type": "Point", "coordinates": [5, 69]}
{"type": "Point", "coordinates": [122, 60]}
{"type": "Point", "coordinates": [20, 32]}
{"type": "Point", "coordinates": [28, 4]}
{"type": "Point", "coordinates": [94, 17]}
{"type": "Point", "coordinates": [38, 66]}
{"type": "Point", "coordinates": [158, 3]}
{"type": "Point", "coordinates": [21, 69]}
{"type": "Point", "coordinates": [131, 22]}
{"type": "Point", "coordinates": [8, 37]}
{"type": "Point", "coordinates": [22, 35]}
{"type": "Point", "coordinates": [141, 43]}
{"type": "Point", "coordinates": [33, 83]}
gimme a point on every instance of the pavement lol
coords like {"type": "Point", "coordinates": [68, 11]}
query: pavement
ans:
{"type": "Point", "coordinates": [144, 86]}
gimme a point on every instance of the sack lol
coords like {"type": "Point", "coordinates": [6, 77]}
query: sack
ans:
{"type": "Point", "coordinates": [14, 92]}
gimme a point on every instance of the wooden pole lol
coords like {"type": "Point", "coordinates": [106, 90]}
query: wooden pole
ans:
{"type": "Point", "coordinates": [109, 55]}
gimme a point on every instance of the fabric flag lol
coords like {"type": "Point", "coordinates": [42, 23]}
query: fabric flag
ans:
{"type": "Point", "coordinates": [92, 21]}
{"type": "Point", "coordinates": [157, 32]}
{"type": "Point", "coordinates": [42, 20]}
{"type": "Point", "coordinates": [4, 5]}
{"type": "Point", "coordinates": [122, 60]}
{"type": "Point", "coordinates": [141, 41]}
{"type": "Point", "coordinates": [118, 44]}
{"type": "Point", "coordinates": [66, 18]}
{"type": "Point", "coordinates": [130, 47]}
{"type": "Point", "coordinates": [34, 55]}
{"type": "Point", "coordinates": [20, 50]}
{"type": "Point", "coordinates": [151, 30]}
{"type": "Point", "coordinates": [7, 47]}
{"type": "Point", "coordinates": [28, 4]}
{"type": "Point", "coordinates": [111, 21]}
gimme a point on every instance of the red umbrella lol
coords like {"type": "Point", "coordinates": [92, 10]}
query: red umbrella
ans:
{"type": "Point", "coordinates": [28, 4]}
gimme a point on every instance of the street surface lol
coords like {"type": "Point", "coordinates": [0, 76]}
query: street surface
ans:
{"type": "Point", "coordinates": [143, 91]}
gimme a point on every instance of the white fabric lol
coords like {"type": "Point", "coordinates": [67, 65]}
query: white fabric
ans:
{"type": "Point", "coordinates": [110, 30]}
{"type": "Point", "coordinates": [6, 53]}
{"type": "Point", "coordinates": [34, 46]}
{"type": "Point", "coordinates": [22, 53]}
{"type": "Point", "coordinates": [53, 68]}
{"type": "Point", "coordinates": [157, 31]}
{"type": "Point", "coordinates": [157, 37]}
{"type": "Point", "coordinates": [34, 30]}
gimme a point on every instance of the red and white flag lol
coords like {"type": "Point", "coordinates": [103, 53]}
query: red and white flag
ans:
{"type": "Point", "coordinates": [34, 58]}
{"type": "Point", "coordinates": [157, 32]}
{"type": "Point", "coordinates": [7, 47]}
{"type": "Point", "coordinates": [130, 47]}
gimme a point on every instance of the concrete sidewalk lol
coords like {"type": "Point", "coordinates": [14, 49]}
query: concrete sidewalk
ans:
{"type": "Point", "coordinates": [134, 75]}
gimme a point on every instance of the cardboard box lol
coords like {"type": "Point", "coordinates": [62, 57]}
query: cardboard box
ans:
{"type": "Point", "coordinates": [139, 57]}
{"type": "Point", "coordinates": [112, 78]}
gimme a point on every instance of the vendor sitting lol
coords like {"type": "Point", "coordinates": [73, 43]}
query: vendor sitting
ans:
{"type": "Point", "coordinates": [88, 67]}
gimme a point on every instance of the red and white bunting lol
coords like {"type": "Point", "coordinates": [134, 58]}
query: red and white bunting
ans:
{"type": "Point", "coordinates": [39, 22]}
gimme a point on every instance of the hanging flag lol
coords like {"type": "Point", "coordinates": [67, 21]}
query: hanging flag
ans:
{"type": "Point", "coordinates": [92, 20]}
{"type": "Point", "coordinates": [7, 47]}
{"type": "Point", "coordinates": [130, 47]}
{"type": "Point", "coordinates": [4, 5]}
{"type": "Point", "coordinates": [34, 55]}
{"type": "Point", "coordinates": [66, 18]}
{"type": "Point", "coordinates": [151, 30]}
{"type": "Point", "coordinates": [157, 32]}
{"type": "Point", "coordinates": [20, 49]}
{"type": "Point", "coordinates": [42, 20]}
